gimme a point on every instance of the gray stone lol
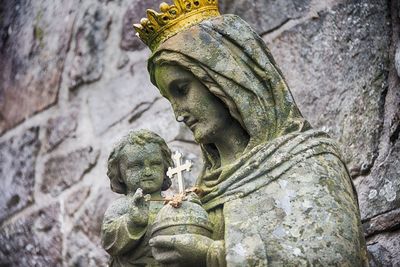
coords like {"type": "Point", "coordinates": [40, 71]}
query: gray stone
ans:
{"type": "Point", "coordinates": [33, 48]}
{"type": "Point", "coordinates": [384, 249]}
{"type": "Point", "coordinates": [17, 171]}
{"type": "Point", "coordinates": [82, 252]}
{"type": "Point", "coordinates": [385, 222]}
{"type": "Point", "coordinates": [76, 199]}
{"type": "Point", "coordinates": [380, 192]}
{"type": "Point", "coordinates": [135, 11]}
{"type": "Point", "coordinates": [60, 128]}
{"type": "Point", "coordinates": [34, 240]}
{"type": "Point", "coordinates": [89, 220]}
{"type": "Point", "coordinates": [265, 16]}
{"type": "Point", "coordinates": [109, 105]}
{"type": "Point", "coordinates": [93, 30]}
{"type": "Point", "coordinates": [337, 68]}
{"type": "Point", "coordinates": [63, 171]}
{"type": "Point", "coordinates": [166, 125]}
{"type": "Point", "coordinates": [397, 59]}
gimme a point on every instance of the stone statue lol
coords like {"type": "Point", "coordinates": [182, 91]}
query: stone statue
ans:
{"type": "Point", "coordinates": [136, 166]}
{"type": "Point", "coordinates": [276, 191]}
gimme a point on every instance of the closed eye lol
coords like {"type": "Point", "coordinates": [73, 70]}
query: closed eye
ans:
{"type": "Point", "coordinates": [179, 88]}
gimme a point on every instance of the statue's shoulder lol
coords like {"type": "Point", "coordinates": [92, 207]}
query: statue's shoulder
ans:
{"type": "Point", "coordinates": [117, 208]}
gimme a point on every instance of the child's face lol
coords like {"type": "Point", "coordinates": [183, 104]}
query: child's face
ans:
{"type": "Point", "coordinates": [142, 167]}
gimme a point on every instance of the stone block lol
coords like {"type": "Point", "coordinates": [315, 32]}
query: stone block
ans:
{"type": "Point", "coordinates": [120, 97]}
{"type": "Point", "coordinates": [63, 171]}
{"type": "Point", "coordinates": [385, 222]}
{"type": "Point", "coordinates": [380, 191]}
{"type": "Point", "coordinates": [76, 199]}
{"type": "Point", "coordinates": [134, 12]}
{"type": "Point", "coordinates": [17, 171]}
{"type": "Point", "coordinates": [35, 240]}
{"type": "Point", "coordinates": [265, 15]}
{"type": "Point", "coordinates": [89, 41]}
{"type": "Point", "coordinates": [33, 47]}
{"type": "Point", "coordinates": [397, 59]}
{"type": "Point", "coordinates": [384, 249]}
{"type": "Point", "coordinates": [90, 219]}
{"type": "Point", "coordinates": [82, 252]}
{"type": "Point", "coordinates": [59, 128]}
{"type": "Point", "coordinates": [337, 68]}
{"type": "Point", "coordinates": [166, 126]}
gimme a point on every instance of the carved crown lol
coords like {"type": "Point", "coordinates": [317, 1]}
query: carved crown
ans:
{"type": "Point", "coordinates": [158, 27]}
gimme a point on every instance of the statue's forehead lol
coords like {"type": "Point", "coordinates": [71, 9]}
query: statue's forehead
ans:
{"type": "Point", "coordinates": [138, 152]}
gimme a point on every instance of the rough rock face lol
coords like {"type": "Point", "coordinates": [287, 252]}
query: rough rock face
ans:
{"type": "Point", "coordinates": [380, 192]}
{"type": "Point", "coordinates": [34, 240]}
{"type": "Point", "coordinates": [38, 59]}
{"type": "Point", "coordinates": [323, 59]}
{"type": "Point", "coordinates": [266, 16]}
{"type": "Point", "coordinates": [90, 40]}
{"type": "Point", "coordinates": [59, 128]}
{"type": "Point", "coordinates": [133, 14]}
{"type": "Point", "coordinates": [60, 172]}
{"type": "Point", "coordinates": [73, 81]}
{"type": "Point", "coordinates": [17, 171]}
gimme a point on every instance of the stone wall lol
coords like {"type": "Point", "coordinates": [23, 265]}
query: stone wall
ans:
{"type": "Point", "coordinates": [73, 81]}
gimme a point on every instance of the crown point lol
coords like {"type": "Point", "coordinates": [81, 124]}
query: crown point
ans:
{"type": "Point", "coordinates": [164, 7]}
{"type": "Point", "coordinates": [182, 14]}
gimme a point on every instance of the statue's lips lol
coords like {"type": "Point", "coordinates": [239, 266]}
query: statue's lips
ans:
{"type": "Point", "coordinates": [148, 179]}
{"type": "Point", "coordinates": [191, 123]}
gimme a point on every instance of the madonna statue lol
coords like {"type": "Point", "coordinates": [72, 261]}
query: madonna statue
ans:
{"type": "Point", "coordinates": [276, 191]}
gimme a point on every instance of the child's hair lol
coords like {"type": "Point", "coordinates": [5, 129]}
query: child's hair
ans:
{"type": "Point", "coordinates": [140, 138]}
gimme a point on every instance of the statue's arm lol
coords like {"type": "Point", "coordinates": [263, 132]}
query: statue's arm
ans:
{"type": "Point", "coordinates": [121, 230]}
{"type": "Point", "coordinates": [216, 254]}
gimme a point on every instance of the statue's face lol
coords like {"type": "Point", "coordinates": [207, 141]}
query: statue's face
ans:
{"type": "Point", "coordinates": [142, 167]}
{"type": "Point", "coordinates": [202, 112]}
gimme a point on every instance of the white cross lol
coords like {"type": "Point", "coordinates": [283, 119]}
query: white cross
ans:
{"type": "Point", "coordinates": [179, 168]}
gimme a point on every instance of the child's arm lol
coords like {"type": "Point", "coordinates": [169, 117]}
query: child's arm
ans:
{"type": "Point", "coordinates": [124, 224]}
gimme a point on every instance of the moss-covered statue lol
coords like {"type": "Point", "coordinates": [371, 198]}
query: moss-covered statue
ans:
{"type": "Point", "coordinates": [136, 168]}
{"type": "Point", "coordinates": [276, 191]}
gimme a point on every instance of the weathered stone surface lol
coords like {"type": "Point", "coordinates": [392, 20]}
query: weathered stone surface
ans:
{"type": "Point", "coordinates": [381, 223]}
{"type": "Point", "coordinates": [90, 219]}
{"type": "Point", "coordinates": [135, 11]}
{"type": "Point", "coordinates": [33, 48]}
{"type": "Point", "coordinates": [61, 172]}
{"type": "Point", "coordinates": [75, 200]}
{"type": "Point", "coordinates": [59, 128]}
{"type": "Point", "coordinates": [380, 191]}
{"type": "Point", "coordinates": [337, 67]}
{"type": "Point", "coordinates": [385, 249]}
{"type": "Point", "coordinates": [108, 105]}
{"type": "Point", "coordinates": [82, 252]}
{"type": "Point", "coordinates": [166, 125]}
{"type": "Point", "coordinates": [265, 16]}
{"type": "Point", "coordinates": [34, 240]}
{"type": "Point", "coordinates": [397, 59]}
{"type": "Point", "coordinates": [17, 171]}
{"type": "Point", "coordinates": [93, 30]}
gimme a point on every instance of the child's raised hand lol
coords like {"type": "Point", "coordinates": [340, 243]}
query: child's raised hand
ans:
{"type": "Point", "coordinates": [139, 208]}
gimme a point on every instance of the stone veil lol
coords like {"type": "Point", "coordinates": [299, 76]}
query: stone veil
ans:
{"type": "Point", "coordinates": [287, 199]}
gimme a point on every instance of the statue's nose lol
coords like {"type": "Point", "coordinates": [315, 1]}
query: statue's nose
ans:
{"type": "Point", "coordinates": [147, 171]}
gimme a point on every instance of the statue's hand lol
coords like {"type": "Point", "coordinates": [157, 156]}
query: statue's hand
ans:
{"type": "Point", "coordinates": [139, 209]}
{"type": "Point", "coordinates": [181, 250]}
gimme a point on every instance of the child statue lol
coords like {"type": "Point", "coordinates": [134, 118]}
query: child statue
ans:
{"type": "Point", "coordinates": [137, 168]}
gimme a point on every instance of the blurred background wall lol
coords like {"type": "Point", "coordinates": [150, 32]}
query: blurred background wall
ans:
{"type": "Point", "coordinates": [73, 81]}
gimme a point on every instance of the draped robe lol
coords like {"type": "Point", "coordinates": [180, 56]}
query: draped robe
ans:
{"type": "Point", "coordinates": [288, 199]}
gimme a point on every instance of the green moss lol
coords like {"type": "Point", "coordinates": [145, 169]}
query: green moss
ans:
{"type": "Point", "coordinates": [39, 35]}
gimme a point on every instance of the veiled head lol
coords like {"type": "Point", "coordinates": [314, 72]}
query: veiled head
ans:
{"type": "Point", "coordinates": [228, 59]}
